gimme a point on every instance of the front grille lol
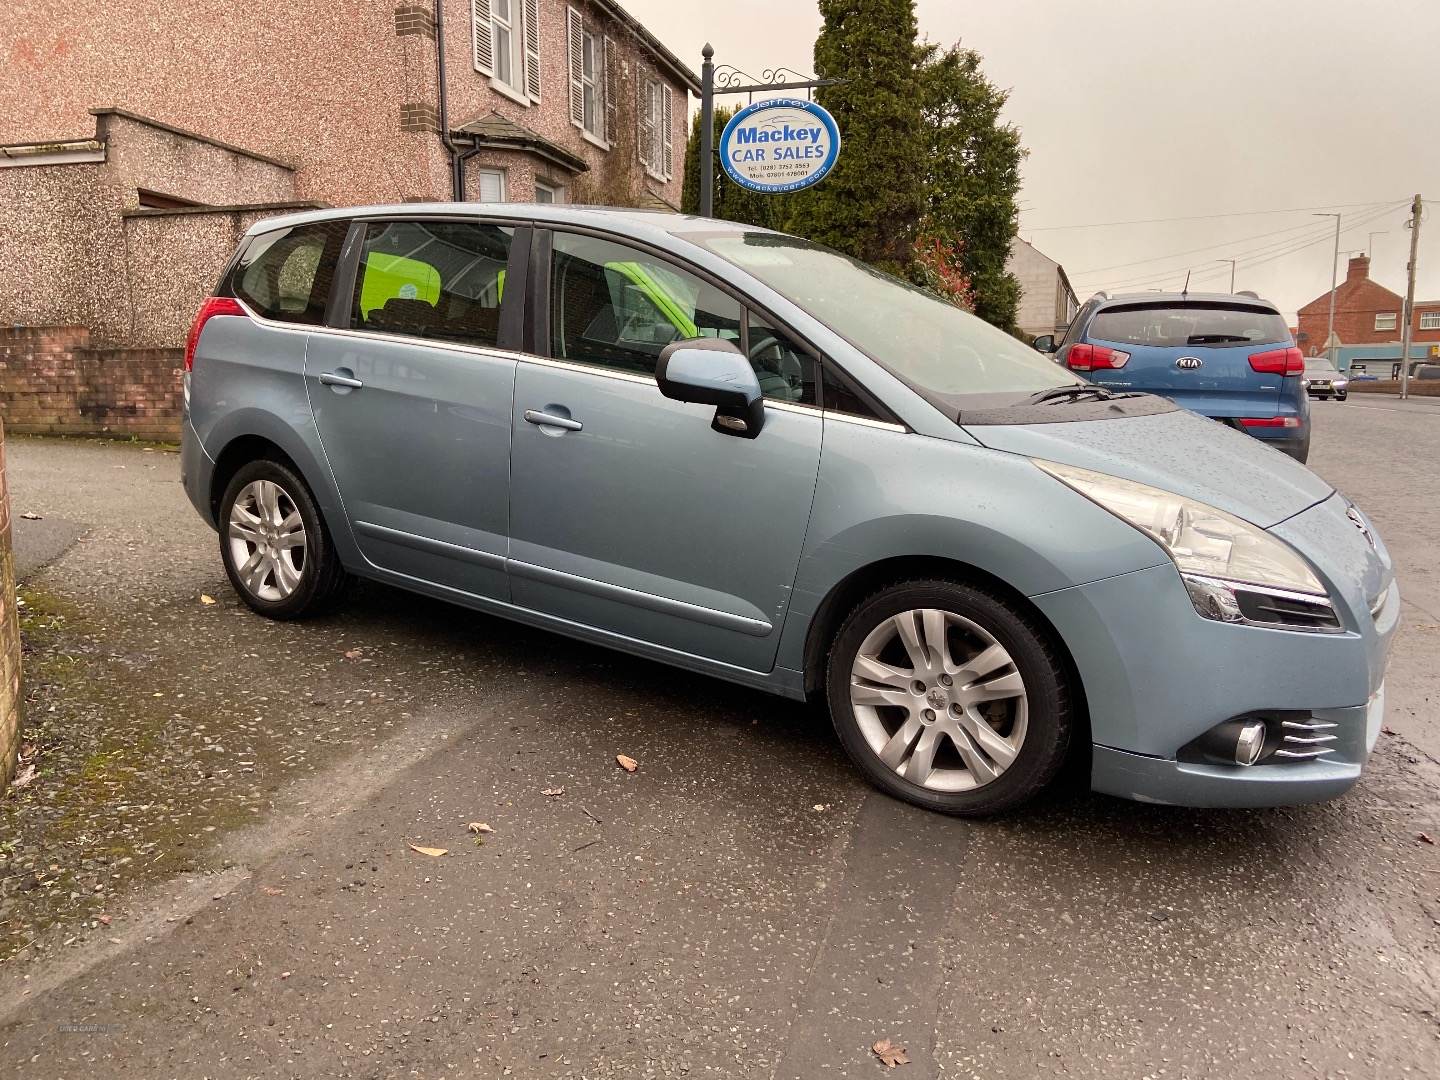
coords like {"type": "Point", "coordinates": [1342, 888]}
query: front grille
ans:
{"type": "Point", "coordinates": [1305, 740]}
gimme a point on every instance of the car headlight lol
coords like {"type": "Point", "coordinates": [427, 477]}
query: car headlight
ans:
{"type": "Point", "coordinates": [1233, 570]}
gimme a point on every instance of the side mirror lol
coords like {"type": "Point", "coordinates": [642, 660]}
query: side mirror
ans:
{"type": "Point", "coordinates": [711, 371]}
{"type": "Point", "coordinates": [1044, 343]}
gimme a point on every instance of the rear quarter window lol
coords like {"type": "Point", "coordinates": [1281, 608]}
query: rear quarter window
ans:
{"type": "Point", "coordinates": [285, 275]}
{"type": "Point", "coordinates": [1172, 325]}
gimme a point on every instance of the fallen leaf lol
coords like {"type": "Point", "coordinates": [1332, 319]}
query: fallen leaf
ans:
{"type": "Point", "coordinates": [284, 974]}
{"type": "Point", "coordinates": [433, 852]}
{"type": "Point", "coordinates": [206, 599]}
{"type": "Point", "coordinates": [1385, 729]}
{"type": "Point", "coordinates": [478, 827]}
{"type": "Point", "coordinates": [629, 764]}
{"type": "Point", "coordinates": [889, 1054]}
{"type": "Point", "coordinates": [23, 777]}
{"type": "Point", "coordinates": [1425, 838]}
{"type": "Point", "coordinates": [353, 654]}
{"type": "Point", "coordinates": [30, 515]}
{"type": "Point", "coordinates": [821, 807]}
{"type": "Point", "coordinates": [104, 920]}
{"type": "Point", "coordinates": [553, 791]}
{"type": "Point", "coordinates": [270, 890]}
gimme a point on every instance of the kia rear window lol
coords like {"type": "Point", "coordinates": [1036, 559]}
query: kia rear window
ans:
{"type": "Point", "coordinates": [1172, 325]}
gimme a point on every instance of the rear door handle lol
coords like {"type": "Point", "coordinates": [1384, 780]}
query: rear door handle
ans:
{"type": "Point", "coordinates": [329, 378]}
{"type": "Point", "coordinates": [545, 419]}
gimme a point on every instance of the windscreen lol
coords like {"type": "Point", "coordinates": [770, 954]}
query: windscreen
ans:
{"type": "Point", "coordinates": [1176, 325]}
{"type": "Point", "coordinates": [942, 351]}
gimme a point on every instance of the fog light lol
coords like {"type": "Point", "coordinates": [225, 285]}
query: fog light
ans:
{"type": "Point", "coordinates": [1250, 742]}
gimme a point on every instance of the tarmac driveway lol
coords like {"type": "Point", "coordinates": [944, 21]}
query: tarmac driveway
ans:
{"type": "Point", "coordinates": [244, 796]}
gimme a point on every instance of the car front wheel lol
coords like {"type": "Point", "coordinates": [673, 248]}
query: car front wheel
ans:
{"type": "Point", "coordinates": [276, 550]}
{"type": "Point", "coordinates": [949, 697]}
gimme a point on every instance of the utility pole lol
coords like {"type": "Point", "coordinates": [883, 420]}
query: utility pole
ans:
{"type": "Point", "coordinates": [1408, 310]}
{"type": "Point", "coordinates": [1334, 270]}
{"type": "Point", "coordinates": [1232, 272]}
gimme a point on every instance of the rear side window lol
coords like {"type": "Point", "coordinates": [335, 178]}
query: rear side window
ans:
{"type": "Point", "coordinates": [1172, 325]}
{"type": "Point", "coordinates": [433, 279]}
{"type": "Point", "coordinates": [285, 275]}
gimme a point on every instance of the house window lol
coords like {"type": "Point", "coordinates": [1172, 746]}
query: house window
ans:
{"type": "Point", "coordinates": [548, 193]}
{"type": "Point", "coordinates": [1385, 320]}
{"type": "Point", "coordinates": [656, 116]}
{"type": "Point", "coordinates": [492, 185]}
{"type": "Point", "coordinates": [1430, 320]}
{"type": "Point", "coordinates": [588, 55]}
{"type": "Point", "coordinates": [505, 35]}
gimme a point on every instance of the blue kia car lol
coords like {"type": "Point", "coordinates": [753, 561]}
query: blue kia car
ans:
{"type": "Point", "coordinates": [754, 458]}
{"type": "Point", "coordinates": [1228, 357]}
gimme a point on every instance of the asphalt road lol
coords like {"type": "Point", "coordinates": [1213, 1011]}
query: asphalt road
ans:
{"type": "Point", "coordinates": [740, 906]}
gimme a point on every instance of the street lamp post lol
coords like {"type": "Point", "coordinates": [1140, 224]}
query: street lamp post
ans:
{"type": "Point", "coordinates": [1232, 271]}
{"type": "Point", "coordinates": [1334, 271]}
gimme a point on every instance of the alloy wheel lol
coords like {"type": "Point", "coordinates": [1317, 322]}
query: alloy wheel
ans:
{"type": "Point", "coordinates": [939, 700]}
{"type": "Point", "coordinates": [267, 540]}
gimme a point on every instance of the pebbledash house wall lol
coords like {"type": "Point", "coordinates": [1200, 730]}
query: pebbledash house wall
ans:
{"type": "Point", "coordinates": [344, 90]}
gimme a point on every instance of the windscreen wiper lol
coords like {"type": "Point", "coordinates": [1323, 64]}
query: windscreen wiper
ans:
{"type": "Point", "coordinates": [1070, 392]}
{"type": "Point", "coordinates": [1213, 339]}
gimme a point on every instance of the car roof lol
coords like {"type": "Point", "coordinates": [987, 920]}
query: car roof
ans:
{"type": "Point", "coordinates": [1181, 298]}
{"type": "Point", "coordinates": [629, 220]}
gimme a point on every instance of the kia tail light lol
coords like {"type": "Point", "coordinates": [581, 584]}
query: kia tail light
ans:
{"type": "Point", "coordinates": [1094, 358]}
{"type": "Point", "coordinates": [1279, 362]}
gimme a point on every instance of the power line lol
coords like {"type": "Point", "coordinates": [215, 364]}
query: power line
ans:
{"type": "Point", "coordinates": [1261, 255]}
{"type": "Point", "coordinates": [1205, 217]}
{"type": "Point", "coordinates": [1080, 274]}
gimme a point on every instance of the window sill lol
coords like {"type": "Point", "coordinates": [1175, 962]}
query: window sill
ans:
{"type": "Point", "coordinates": [592, 138]}
{"type": "Point", "coordinates": [659, 178]}
{"type": "Point", "coordinates": [505, 89]}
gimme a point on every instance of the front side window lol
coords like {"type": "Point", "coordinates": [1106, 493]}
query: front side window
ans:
{"type": "Point", "coordinates": [786, 369]}
{"type": "Point", "coordinates": [618, 307]}
{"type": "Point", "coordinates": [285, 275]}
{"type": "Point", "coordinates": [1385, 320]}
{"type": "Point", "coordinates": [432, 279]}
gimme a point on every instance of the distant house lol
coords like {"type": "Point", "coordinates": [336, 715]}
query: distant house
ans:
{"type": "Point", "coordinates": [1047, 302]}
{"type": "Point", "coordinates": [1366, 313]}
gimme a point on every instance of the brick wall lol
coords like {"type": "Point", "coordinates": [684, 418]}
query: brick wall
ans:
{"type": "Point", "coordinates": [54, 382]}
{"type": "Point", "coordinates": [1358, 299]}
{"type": "Point", "coordinates": [9, 638]}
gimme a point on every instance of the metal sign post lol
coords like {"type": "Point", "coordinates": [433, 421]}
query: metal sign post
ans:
{"type": "Point", "coordinates": [734, 81]}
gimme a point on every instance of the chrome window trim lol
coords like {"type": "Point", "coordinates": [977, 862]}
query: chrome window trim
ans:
{"type": "Point", "coordinates": [864, 421]}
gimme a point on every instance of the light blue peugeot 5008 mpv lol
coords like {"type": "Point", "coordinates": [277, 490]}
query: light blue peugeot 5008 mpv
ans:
{"type": "Point", "coordinates": [740, 453]}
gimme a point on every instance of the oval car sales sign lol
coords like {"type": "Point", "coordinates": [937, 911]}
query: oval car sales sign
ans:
{"type": "Point", "coordinates": [783, 144]}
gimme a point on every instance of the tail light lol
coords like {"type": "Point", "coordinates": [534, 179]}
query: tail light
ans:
{"type": "Point", "coordinates": [213, 305]}
{"type": "Point", "coordinates": [1278, 362]}
{"type": "Point", "coordinates": [1094, 358]}
{"type": "Point", "coordinates": [1270, 421]}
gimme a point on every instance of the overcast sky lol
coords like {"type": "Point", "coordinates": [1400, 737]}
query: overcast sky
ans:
{"type": "Point", "coordinates": [1137, 109]}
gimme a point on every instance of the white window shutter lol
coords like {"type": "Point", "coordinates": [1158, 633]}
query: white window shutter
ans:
{"type": "Point", "coordinates": [575, 38]}
{"type": "Point", "coordinates": [645, 99]}
{"type": "Point", "coordinates": [667, 129]}
{"type": "Point", "coordinates": [532, 49]}
{"type": "Point", "coordinates": [612, 95]}
{"type": "Point", "coordinates": [482, 37]}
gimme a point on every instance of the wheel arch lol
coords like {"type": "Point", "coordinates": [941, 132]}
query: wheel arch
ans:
{"type": "Point", "coordinates": [861, 582]}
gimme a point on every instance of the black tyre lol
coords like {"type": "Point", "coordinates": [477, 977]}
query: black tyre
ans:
{"type": "Point", "coordinates": [1342, 397]}
{"type": "Point", "coordinates": [277, 551]}
{"type": "Point", "coordinates": [949, 697]}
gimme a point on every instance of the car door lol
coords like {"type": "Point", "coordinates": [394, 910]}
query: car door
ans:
{"type": "Point", "coordinates": [628, 512]}
{"type": "Point", "coordinates": [411, 393]}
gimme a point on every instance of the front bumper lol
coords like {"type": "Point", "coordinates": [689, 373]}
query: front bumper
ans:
{"type": "Point", "coordinates": [1184, 783]}
{"type": "Point", "coordinates": [1157, 675]}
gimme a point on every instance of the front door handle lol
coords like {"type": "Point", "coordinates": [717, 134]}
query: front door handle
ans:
{"type": "Point", "coordinates": [330, 378]}
{"type": "Point", "coordinates": [545, 419]}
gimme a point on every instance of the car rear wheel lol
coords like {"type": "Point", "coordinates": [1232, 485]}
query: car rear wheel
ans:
{"type": "Point", "coordinates": [277, 551]}
{"type": "Point", "coordinates": [1342, 397]}
{"type": "Point", "coordinates": [949, 697]}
